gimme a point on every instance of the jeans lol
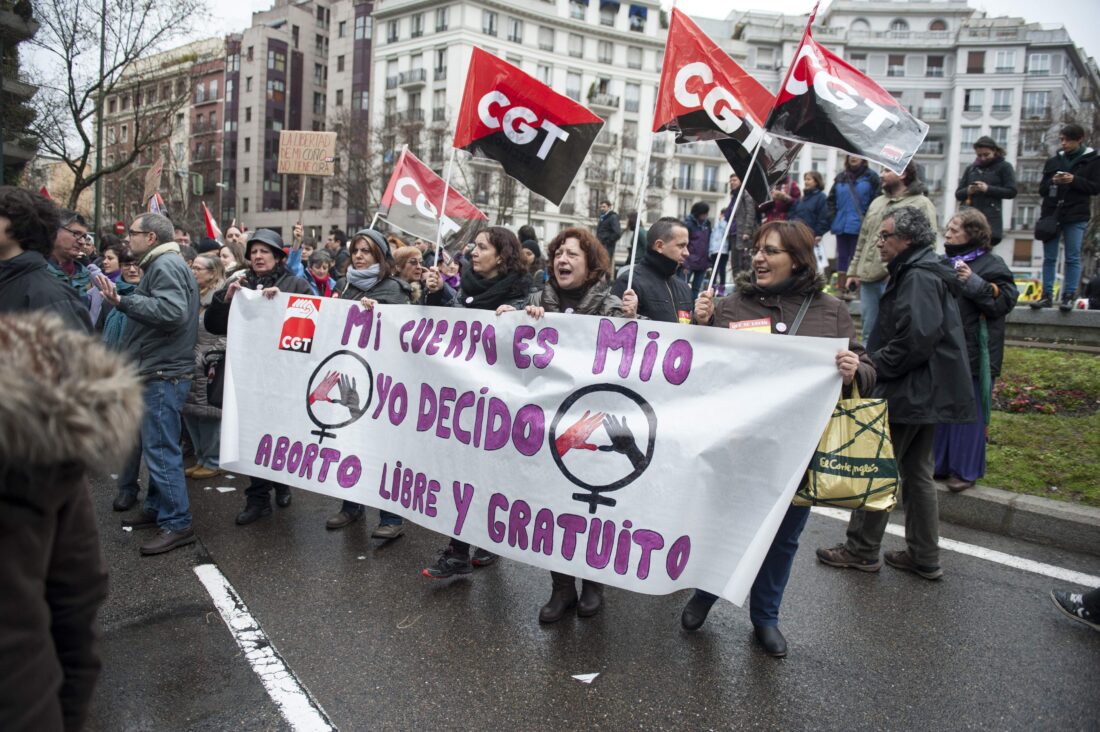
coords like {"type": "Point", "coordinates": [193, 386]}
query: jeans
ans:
{"type": "Point", "coordinates": [351, 508]}
{"type": "Point", "coordinates": [913, 450]}
{"type": "Point", "coordinates": [128, 478]}
{"type": "Point", "coordinates": [870, 293]}
{"type": "Point", "coordinates": [719, 264]}
{"type": "Point", "coordinates": [160, 446]}
{"type": "Point", "coordinates": [696, 278]}
{"type": "Point", "coordinates": [1072, 235]}
{"type": "Point", "coordinates": [206, 433]}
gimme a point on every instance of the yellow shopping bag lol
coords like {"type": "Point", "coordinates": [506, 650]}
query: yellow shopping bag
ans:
{"type": "Point", "coordinates": [853, 466]}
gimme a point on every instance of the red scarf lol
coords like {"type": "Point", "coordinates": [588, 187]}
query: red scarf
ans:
{"type": "Point", "coordinates": [323, 286]}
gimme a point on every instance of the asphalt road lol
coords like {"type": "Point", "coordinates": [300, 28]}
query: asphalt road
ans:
{"type": "Point", "coordinates": [381, 648]}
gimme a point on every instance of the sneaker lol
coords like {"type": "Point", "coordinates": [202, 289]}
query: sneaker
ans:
{"type": "Point", "coordinates": [839, 556]}
{"type": "Point", "coordinates": [388, 531]}
{"type": "Point", "coordinates": [1066, 304]}
{"type": "Point", "coordinates": [482, 558]}
{"type": "Point", "coordinates": [1043, 302]}
{"type": "Point", "coordinates": [449, 564]}
{"type": "Point", "coordinates": [1073, 605]}
{"type": "Point", "coordinates": [904, 561]}
{"type": "Point", "coordinates": [204, 473]}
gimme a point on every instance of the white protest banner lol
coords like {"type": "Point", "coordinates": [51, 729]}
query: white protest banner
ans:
{"type": "Point", "coordinates": [649, 456]}
{"type": "Point", "coordinates": [307, 153]}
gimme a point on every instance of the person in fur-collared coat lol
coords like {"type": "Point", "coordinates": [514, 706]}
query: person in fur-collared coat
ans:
{"type": "Point", "coordinates": [69, 406]}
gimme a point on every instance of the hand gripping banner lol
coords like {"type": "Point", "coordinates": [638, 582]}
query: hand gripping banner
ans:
{"type": "Point", "coordinates": [539, 136]}
{"type": "Point", "coordinates": [580, 444]}
{"type": "Point", "coordinates": [413, 197]}
{"type": "Point", "coordinates": [825, 101]}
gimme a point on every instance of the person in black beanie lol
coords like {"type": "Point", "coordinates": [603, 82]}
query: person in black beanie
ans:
{"type": "Point", "coordinates": [661, 294]}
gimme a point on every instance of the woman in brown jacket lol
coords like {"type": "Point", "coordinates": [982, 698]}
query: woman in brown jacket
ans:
{"type": "Point", "coordinates": [783, 278]}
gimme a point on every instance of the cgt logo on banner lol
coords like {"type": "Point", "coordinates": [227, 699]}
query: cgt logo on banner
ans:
{"type": "Point", "coordinates": [299, 324]}
{"type": "Point", "coordinates": [580, 444]}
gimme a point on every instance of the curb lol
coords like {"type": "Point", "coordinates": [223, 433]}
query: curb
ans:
{"type": "Point", "coordinates": [1040, 520]}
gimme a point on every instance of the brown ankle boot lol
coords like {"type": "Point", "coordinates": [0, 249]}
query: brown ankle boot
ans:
{"type": "Point", "coordinates": [562, 599]}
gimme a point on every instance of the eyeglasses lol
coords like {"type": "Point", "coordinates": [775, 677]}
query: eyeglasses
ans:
{"type": "Point", "coordinates": [78, 235]}
{"type": "Point", "coordinates": [768, 251]}
{"type": "Point", "coordinates": [884, 235]}
{"type": "Point", "coordinates": [416, 262]}
{"type": "Point", "coordinates": [126, 265]}
{"type": "Point", "coordinates": [135, 233]}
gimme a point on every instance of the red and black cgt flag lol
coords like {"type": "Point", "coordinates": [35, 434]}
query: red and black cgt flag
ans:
{"type": "Point", "coordinates": [825, 101]}
{"type": "Point", "coordinates": [704, 94]}
{"type": "Point", "coordinates": [413, 197]}
{"type": "Point", "coordinates": [773, 161]}
{"type": "Point", "coordinates": [539, 136]}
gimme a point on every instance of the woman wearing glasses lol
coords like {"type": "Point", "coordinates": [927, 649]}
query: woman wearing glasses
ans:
{"type": "Point", "coordinates": [783, 278]}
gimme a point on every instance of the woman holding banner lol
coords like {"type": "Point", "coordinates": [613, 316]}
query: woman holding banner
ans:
{"type": "Point", "coordinates": [370, 279]}
{"type": "Point", "coordinates": [783, 280]}
{"type": "Point", "coordinates": [579, 283]}
{"type": "Point", "coordinates": [496, 275]}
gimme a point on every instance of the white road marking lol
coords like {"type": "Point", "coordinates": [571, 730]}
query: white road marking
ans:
{"type": "Point", "coordinates": [301, 711]}
{"type": "Point", "coordinates": [990, 555]}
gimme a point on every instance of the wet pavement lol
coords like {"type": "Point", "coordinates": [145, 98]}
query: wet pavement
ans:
{"type": "Point", "coordinates": [380, 647]}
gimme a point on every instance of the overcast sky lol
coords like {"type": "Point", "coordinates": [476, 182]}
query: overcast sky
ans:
{"type": "Point", "coordinates": [1076, 15]}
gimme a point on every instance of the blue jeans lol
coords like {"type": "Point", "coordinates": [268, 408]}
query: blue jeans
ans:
{"type": "Point", "coordinates": [1072, 235]}
{"type": "Point", "coordinates": [697, 278]}
{"type": "Point", "coordinates": [870, 293]}
{"type": "Point", "coordinates": [160, 446]}
{"type": "Point", "coordinates": [128, 478]}
{"type": "Point", "coordinates": [206, 436]}
{"type": "Point", "coordinates": [351, 508]}
{"type": "Point", "coordinates": [767, 590]}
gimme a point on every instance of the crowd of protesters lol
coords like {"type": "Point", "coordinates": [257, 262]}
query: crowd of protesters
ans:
{"type": "Point", "coordinates": [931, 344]}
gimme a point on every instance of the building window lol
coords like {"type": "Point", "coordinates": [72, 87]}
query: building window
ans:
{"type": "Point", "coordinates": [973, 99]}
{"type": "Point", "coordinates": [1038, 64]}
{"type": "Point", "coordinates": [999, 135]}
{"type": "Point", "coordinates": [685, 180]}
{"type": "Point", "coordinates": [1002, 100]}
{"type": "Point", "coordinates": [633, 57]}
{"type": "Point", "coordinates": [276, 60]}
{"type": "Point", "coordinates": [318, 103]}
{"type": "Point", "coordinates": [124, 134]}
{"type": "Point", "coordinates": [975, 62]}
{"type": "Point", "coordinates": [342, 29]}
{"type": "Point", "coordinates": [248, 144]}
{"type": "Point", "coordinates": [441, 18]}
{"type": "Point", "coordinates": [578, 9]}
{"type": "Point", "coordinates": [249, 55]}
{"type": "Point", "coordinates": [361, 27]}
{"type": "Point", "coordinates": [968, 137]}
{"type": "Point", "coordinates": [276, 91]}
{"type": "Point", "coordinates": [339, 63]}
{"type": "Point", "coordinates": [111, 139]}
{"type": "Point", "coordinates": [895, 65]}
{"type": "Point", "coordinates": [111, 104]}
{"type": "Point", "coordinates": [605, 52]}
{"type": "Point", "coordinates": [858, 61]}
{"type": "Point", "coordinates": [632, 95]}
{"type": "Point", "coordinates": [233, 63]}
{"type": "Point", "coordinates": [248, 83]}
{"type": "Point", "coordinates": [939, 24]}
{"type": "Point", "coordinates": [228, 90]}
{"type": "Point", "coordinates": [573, 86]}
{"type": "Point", "coordinates": [200, 93]}
{"type": "Point", "coordinates": [318, 73]}
{"type": "Point", "coordinates": [339, 97]}
{"type": "Point", "coordinates": [608, 11]}
{"type": "Point", "coordinates": [247, 174]}
{"type": "Point", "coordinates": [1005, 62]}
{"type": "Point", "coordinates": [248, 114]}
{"type": "Point", "coordinates": [934, 67]}
{"type": "Point", "coordinates": [1036, 103]}
{"type": "Point", "coordinates": [515, 30]}
{"type": "Point", "coordinates": [899, 25]}
{"type": "Point", "coordinates": [542, 73]}
{"type": "Point", "coordinates": [244, 205]}
{"type": "Point", "coordinates": [576, 45]}
{"type": "Point", "coordinates": [546, 38]}
{"type": "Point", "coordinates": [417, 21]}
{"type": "Point", "coordinates": [391, 31]}
{"type": "Point", "coordinates": [488, 22]}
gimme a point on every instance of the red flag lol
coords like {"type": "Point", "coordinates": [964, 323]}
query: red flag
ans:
{"type": "Point", "coordinates": [412, 199]}
{"type": "Point", "coordinates": [212, 229]}
{"type": "Point", "coordinates": [539, 136]}
{"type": "Point", "coordinates": [704, 94]}
{"type": "Point", "coordinates": [825, 101]}
{"type": "Point", "coordinates": [45, 192]}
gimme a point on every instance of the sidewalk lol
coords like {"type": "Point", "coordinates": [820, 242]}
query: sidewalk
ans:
{"type": "Point", "coordinates": [1041, 520]}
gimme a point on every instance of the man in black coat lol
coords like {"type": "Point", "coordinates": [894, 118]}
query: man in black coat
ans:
{"type": "Point", "coordinates": [1070, 179]}
{"type": "Point", "coordinates": [28, 225]}
{"type": "Point", "coordinates": [608, 230]}
{"type": "Point", "coordinates": [919, 352]}
{"type": "Point", "coordinates": [266, 270]}
{"type": "Point", "coordinates": [986, 182]}
{"type": "Point", "coordinates": [661, 294]}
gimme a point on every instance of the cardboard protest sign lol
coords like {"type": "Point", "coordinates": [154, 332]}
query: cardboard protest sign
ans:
{"type": "Point", "coordinates": [650, 456]}
{"type": "Point", "coordinates": [307, 153]}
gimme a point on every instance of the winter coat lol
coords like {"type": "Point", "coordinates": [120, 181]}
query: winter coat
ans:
{"type": "Point", "coordinates": [315, 288]}
{"type": "Point", "coordinates": [849, 200]}
{"type": "Point", "coordinates": [918, 346]}
{"type": "Point", "coordinates": [448, 297]}
{"type": "Point", "coordinates": [390, 291]}
{"type": "Point", "coordinates": [1075, 196]}
{"type": "Point", "coordinates": [776, 210]}
{"type": "Point", "coordinates": [163, 315]}
{"type": "Point", "coordinates": [867, 264]}
{"type": "Point", "coordinates": [813, 210]}
{"type": "Point", "coordinates": [216, 317]}
{"type": "Point", "coordinates": [26, 284]}
{"type": "Point", "coordinates": [827, 317]}
{"type": "Point", "coordinates": [69, 406]}
{"type": "Point", "coordinates": [990, 293]}
{"type": "Point", "coordinates": [196, 404]}
{"type": "Point", "coordinates": [743, 223]}
{"type": "Point", "coordinates": [1001, 179]}
{"type": "Point", "coordinates": [698, 258]}
{"type": "Point", "coordinates": [608, 229]}
{"type": "Point", "coordinates": [80, 280]}
{"type": "Point", "coordinates": [661, 294]}
{"type": "Point", "coordinates": [597, 300]}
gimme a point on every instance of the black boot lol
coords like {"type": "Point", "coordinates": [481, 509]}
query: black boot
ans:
{"type": "Point", "coordinates": [253, 512]}
{"type": "Point", "coordinates": [1067, 302]}
{"type": "Point", "coordinates": [768, 636]}
{"type": "Point", "coordinates": [562, 599]}
{"type": "Point", "coordinates": [591, 598]}
{"type": "Point", "coordinates": [695, 612]}
{"type": "Point", "coordinates": [1042, 302]}
{"type": "Point", "coordinates": [282, 496]}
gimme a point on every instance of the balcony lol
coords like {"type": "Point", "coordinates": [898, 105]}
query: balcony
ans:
{"type": "Point", "coordinates": [406, 117]}
{"type": "Point", "coordinates": [604, 101]}
{"type": "Point", "coordinates": [933, 114]}
{"type": "Point", "coordinates": [538, 204]}
{"type": "Point", "coordinates": [439, 114]}
{"type": "Point", "coordinates": [710, 186]}
{"type": "Point", "coordinates": [440, 73]}
{"type": "Point", "coordinates": [1002, 108]}
{"type": "Point", "coordinates": [895, 39]}
{"type": "Point", "coordinates": [683, 184]}
{"type": "Point", "coordinates": [412, 78]}
{"type": "Point", "coordinates": [546, 45]}
{"type": "Point", "coordinates": [606, 139]}
{"type": "Point", "coordinates": [1036, 114]}
{"type": "Point", "coordinates": [392, 81]}
{"type": "Point", "coordinates": [931, 147]}
{"type": "Point", "coordinates": [596, 174]}
{"type": "Point", "coordinates": [627, 179]}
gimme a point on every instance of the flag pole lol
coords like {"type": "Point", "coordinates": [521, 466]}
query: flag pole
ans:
{"type": "Point", "coordinates": [733, 211]}
{"type": "Point", "coordinates": [374, 220]}
{"type": "Point", "coordinates": [443, 208]}
{"type": "Point", "coordinates": [638, 219]}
